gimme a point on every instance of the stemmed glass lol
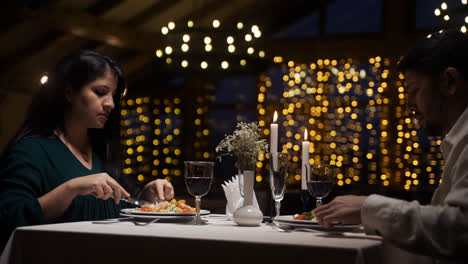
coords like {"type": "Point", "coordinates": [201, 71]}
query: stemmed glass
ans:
{"type": "Point", "coordinates": [198, 178]}
{"type": "Point", "coordinates": [319, 181]}
{"type": "Point", "coordinates": [278, 175]}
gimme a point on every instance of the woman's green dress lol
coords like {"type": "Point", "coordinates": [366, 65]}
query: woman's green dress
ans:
{"type": "Point", "coordinates": [34, 167]}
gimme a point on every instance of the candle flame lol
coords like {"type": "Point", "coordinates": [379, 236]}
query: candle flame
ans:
{"type": "Point", "coordinates": [305, 134]}
{"type": "Point", "coordinates": [275, 117]}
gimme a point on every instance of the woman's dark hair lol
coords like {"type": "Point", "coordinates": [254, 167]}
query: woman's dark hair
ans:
{"type": "Point", "coordinates": [46, 111]}
{"type": "Point", "coordinates": [440, 51]}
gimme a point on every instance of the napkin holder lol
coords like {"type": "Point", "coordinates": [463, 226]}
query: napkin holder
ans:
{"type": "Point", "coordinates": [233, 196]}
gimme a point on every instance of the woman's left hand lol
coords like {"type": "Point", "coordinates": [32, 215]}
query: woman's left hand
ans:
{"type": "Point", "coordinates": [159, 189]}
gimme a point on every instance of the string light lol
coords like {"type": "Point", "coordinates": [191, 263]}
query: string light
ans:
{"type": "Point", "coordinates": [150, 132]}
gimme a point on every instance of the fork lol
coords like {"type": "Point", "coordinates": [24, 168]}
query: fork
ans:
{"type": "Point", "coordinates": [289, 229]}
{"type": "Point", "coordinates": [145, 223]}
{"type": "Point", "coordinates": [136, 202]}
{"type": "Point", "coordinates": [119, 220]}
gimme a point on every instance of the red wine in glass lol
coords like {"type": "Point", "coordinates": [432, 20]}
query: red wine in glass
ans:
{"type": "Point", "coordinates": [319, 181]}
{"type": "Point", "coordinates": [198, 178]}
{"type": "Point", "coordinates": [319, 188]}
{"type": "Point", "coordinates": [198, 186]}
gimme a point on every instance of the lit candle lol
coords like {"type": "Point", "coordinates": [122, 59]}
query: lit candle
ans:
{"type": "Point", "coordinates": [305, 160]}
{"type": "Point", "coordinates": [274, 134]}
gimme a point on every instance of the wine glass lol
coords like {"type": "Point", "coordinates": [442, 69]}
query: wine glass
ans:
{"type": "Point", "coordinates": [198, 178]}
{"type": "Point", "coordinates": [319, 181]}
{"type": "Point", "coordinates": [278, 175]}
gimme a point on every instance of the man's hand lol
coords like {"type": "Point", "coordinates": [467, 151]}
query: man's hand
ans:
{"type": "Point", "coordinates": [343, 210]}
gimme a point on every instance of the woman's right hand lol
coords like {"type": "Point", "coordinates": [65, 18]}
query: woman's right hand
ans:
{"type": "Point", "coordinates": [99, 185]}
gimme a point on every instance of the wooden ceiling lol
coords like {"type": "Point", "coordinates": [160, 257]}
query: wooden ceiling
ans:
{"type": "Point", "coordinates": [35, 34]}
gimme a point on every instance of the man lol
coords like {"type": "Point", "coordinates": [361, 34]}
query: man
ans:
{"type": "Point", "coordinates": [437, 85]}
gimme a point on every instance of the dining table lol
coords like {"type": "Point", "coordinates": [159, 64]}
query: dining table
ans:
{"type": "Point", "coordinates": [220, 240]}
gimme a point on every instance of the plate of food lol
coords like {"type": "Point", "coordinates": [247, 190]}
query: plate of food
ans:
{"type": "Point", "coordinates": [308, 220]}
{"type": "Point", "coordinates": [166, 209]}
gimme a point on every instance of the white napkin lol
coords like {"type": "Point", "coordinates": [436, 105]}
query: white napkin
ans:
{"type": "Point", "coordinates": [233, 196]}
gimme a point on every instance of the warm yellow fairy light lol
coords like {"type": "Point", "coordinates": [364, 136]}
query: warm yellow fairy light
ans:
{"type": "Point", "coordinates": [184, 63]}
{"type": "Point", "coordinates": [207, 40]}
{"type": "Point", "coordinates": [216, 23]}
{"type": "Point", "coordinates": [204, 65]}
{"type": "Point", "coordinates": [159, 53]}
{"type": "Point", "coordinates": [185, 47]}
{"type": "Point", "coordinates": [44, 79]}
{"type": "Point", "coordinates": [164, 30]}
{"type": "Point", "coordinates": [250, 50]}
{"type": "Point", "coordinates": [231, 48]}
{"type": "Point", "coordinates": [243, 62]}
{"type": "Point", "coordinates": [254, 28]}
{"type": "Point", "coordinates": [446, 18]}
{"type": "Point", "coordinates": [437, 12]}
{"type": "Point", "coordinates": [186, 38]}
{"type": "Point", "coordinates": [257, 34]}
{"type": "Point", "coordinates": [230, 40]}
{"type": "Point", "coordinates": [224, 65]}
{"type": "Point", "coordinates": [208, 47]}
{"type": "Point", "coordinates": [168, 50]}
{"type": "Point", "coordinates": [171, 25]}
{"type": "Point", "coordinates": [443, 6]}
{"type": "Point", "coordinates": [240, 25]}
{"type": "Point", "coordinates": [190, 23]}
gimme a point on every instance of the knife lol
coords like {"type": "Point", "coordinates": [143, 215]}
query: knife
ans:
{"type": "Point", "coordinates": [136, 202]}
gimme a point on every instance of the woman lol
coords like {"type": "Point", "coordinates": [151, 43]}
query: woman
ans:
{"type": "Point", "coordinates": [63, 164]}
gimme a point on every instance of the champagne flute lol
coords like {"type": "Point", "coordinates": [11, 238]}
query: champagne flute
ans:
{"type": "Point", "coordinates": [198, 178]}
{"type": "Point", "coordinates": [278, 175]}
{"type": "Point", "coordinates": [319, 181]}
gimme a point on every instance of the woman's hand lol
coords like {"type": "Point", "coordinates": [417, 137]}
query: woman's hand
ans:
{"type": "Point", "coordinates": [99, 185]}
{"type": "Point", "coordinates": [157, 190]}
{"type": "Point", "coordinates": [343, 210]}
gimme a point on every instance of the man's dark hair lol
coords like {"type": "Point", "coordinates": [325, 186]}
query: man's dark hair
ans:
{"type": "Point", "coordinates": [440, 51]}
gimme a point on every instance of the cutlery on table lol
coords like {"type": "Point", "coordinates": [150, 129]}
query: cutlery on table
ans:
{"type": "Point", "coordinates": [118, 220]}
{"type": "Point", "coordinates": [136, 202]}
{"type": "Point", "coordinates": [287, 228]}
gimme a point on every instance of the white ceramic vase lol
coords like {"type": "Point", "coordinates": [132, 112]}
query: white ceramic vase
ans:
{"type": "Point", "coordinates": [248, 214]}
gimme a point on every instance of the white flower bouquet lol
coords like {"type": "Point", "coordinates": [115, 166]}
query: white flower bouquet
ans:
{"type": "Point", "coordinates": [245, 144]}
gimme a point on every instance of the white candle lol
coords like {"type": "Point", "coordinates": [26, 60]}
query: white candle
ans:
{"type": "Point", "coordinates": [274, 134]}
{"type": "Point", "coordinates": [305, 160]}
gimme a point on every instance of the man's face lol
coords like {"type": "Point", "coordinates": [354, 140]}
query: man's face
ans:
{"type": "Point", "coordinates": [426, 102]}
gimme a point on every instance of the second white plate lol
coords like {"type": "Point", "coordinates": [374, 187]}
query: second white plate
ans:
{"type": "Point", "coordinates": [289, 220]}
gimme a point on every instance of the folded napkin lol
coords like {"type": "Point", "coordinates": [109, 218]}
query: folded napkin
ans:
{"type": "Point", "coordinates": [233, 196]}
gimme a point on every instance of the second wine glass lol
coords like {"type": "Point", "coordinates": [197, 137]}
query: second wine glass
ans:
{"type": "Point", "coordinates": [198, 178]}
{"type": "Point", "coordinates": [278, 175]}
{"type": "Point", "coordinates": [319, 181]}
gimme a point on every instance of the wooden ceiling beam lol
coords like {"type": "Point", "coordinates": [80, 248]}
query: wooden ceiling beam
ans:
{"type": "Point", "coordinates": [352, 46]}
{"type": "Point", "coordinates": [91, 27]}
{"type": "Point", "coordinates": [24, 76]}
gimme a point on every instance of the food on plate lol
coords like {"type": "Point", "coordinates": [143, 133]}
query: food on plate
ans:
{"type": "Point", "coordinates": [173, 206]}
{"type": "Point", "coordinates": [304, 216]}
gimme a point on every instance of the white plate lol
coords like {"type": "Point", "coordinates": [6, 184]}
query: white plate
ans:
{"type": "Point", "coordinates": [134, 213]}
{"type": "Point", "coordinates": [289, 220]}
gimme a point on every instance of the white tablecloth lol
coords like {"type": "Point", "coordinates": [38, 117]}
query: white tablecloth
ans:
{"type": "Point", "coordinates": [219, 241]}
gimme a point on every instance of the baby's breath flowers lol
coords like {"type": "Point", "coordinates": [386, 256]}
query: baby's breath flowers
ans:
{"type": "Point", "coordinates": [245, 144]}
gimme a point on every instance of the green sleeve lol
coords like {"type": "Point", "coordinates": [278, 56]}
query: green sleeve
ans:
{"type": "Point", "coordinates": [21, 183]}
